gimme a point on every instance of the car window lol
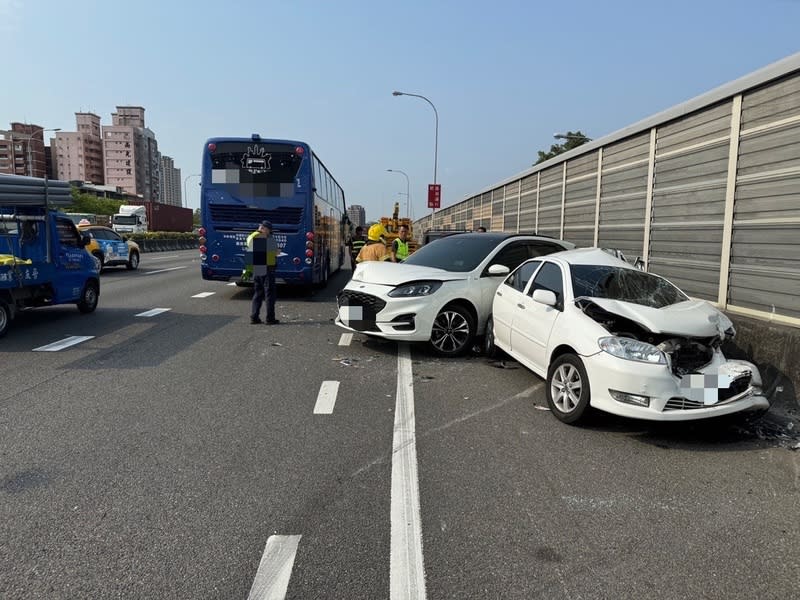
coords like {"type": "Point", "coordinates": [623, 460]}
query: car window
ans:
{"type": "Point", "coordinates": [96, 234]}
{"type": "Point", "coordinates": [460, 253]}
{"type": "Point", "coordinates": [511, 256]}
{"type": "Point", "coordinates": [112, 235]}
{"type": "Point", "coordinates": [519, 278]}
{"type": "Point", "coordinates": [628, 285]}
{"type": "Point", "coordinates": [67, 233]}
{"type": "Point", "coordinates": [541, 248]}
{"type": "Point", "coordinates": [550, 278]}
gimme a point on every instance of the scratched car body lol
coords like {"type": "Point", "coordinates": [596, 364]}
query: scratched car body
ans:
{"type": "Point", "coordinates": [607, 335]}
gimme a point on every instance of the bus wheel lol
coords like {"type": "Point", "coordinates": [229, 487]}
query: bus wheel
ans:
{"type": "Point", "coordinates": [5, 318]}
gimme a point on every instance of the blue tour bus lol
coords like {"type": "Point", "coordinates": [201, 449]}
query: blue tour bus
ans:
{"type": "Point", "coordinates": [249, 180]}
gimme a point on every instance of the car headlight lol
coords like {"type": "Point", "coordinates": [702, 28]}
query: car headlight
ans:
{"type": "Point", "coordinates": [630, 349]}
{"type": "Point", "coordinates": [415, 288]}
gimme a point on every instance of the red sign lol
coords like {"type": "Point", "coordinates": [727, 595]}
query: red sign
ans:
{"type": "Point", "coordinates": [434, 195]}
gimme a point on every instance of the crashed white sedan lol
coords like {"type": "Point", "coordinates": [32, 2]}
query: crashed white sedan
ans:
{"type": "Point", "coordinates": [610, 336]}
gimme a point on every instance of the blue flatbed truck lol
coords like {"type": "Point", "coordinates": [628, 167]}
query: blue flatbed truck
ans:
{"type": "Point", "coordinates": [43, 257]}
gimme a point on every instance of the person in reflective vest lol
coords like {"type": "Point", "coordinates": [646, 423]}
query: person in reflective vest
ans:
{"type": "Point", "coordinates": [357, 242]}
{"type": "Point", "coordinates": [265, 258]}
{"type": "Point", "coordinates": [400, 245]}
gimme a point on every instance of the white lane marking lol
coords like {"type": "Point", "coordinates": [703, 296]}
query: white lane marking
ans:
{"type": "Point", "coordinates": [152, 313]}
{"type": "Point", "coordinates": [345, 339]}
{"type": "Point", "coordinates": [326, 398]}
{"type": "Point", "coordinates": [204, 294]}
{"type": "Point", "coordinates": [65, 343]}
{"type": "Point", "coordinates": [232, 283]}
{"type": "Point", "coordinates": [406, 566]}
{"type": "Point", "coordinates": [275, 569]}
{"type": "Point", "coordinates": [164, 270]}
{"type": "Point", "coordinates": [152, 258]}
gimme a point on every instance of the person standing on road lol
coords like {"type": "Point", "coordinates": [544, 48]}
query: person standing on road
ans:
{"type": "Point", "coordinates": [265, 258]}
{"type": "Point", "coordinates": [375, 248]}
{"type": "Point", "coordinates": [400, 245]}
{"type": "Point", "coordinates": [357, 242]}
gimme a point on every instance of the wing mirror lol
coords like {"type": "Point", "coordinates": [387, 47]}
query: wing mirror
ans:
{"type": "Point", "coordinates": [544, 297]}
{"type": "Point", "coordinates": [498, 270]}
{"type": "Point", "coordinates": [85, 240]}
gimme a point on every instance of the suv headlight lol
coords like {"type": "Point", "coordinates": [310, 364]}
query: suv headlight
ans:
{"type": "Point", "coordinates": [415, 288]}
{"type": "Point", "coordinates": [630, 349]}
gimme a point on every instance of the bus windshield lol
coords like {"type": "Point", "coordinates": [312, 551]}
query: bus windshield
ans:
{"type": "Point", "coordinates": [255, 170]}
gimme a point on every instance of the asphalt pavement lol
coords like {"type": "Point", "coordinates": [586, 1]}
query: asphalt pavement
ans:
{"type": "Point", "coordinates": [177, 451]}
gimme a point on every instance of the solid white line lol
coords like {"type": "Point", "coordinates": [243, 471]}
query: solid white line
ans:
{"type": "Point", "coordinates": [152, 258]}
{"type": "Point", "coordinates": [345, 339]}
{"type": "Point", "coordinates": [326, 398]}
{"type": "Point", "coordinates": [65, 343]}
{"type": "Point", "coordinates": [275, 569]}
{"type": "Point", "coordinates": [204, 294]}
{"type": "Point", "coordinates": [152, 313]}
{"type": "Point", "coordinates": [232, 283]}
{"type": "Point", "coordinates": [163, 270]}
{"type": "Point", "coordinates": [406, 566]}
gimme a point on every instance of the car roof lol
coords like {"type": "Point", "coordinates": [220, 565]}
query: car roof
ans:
{"type": "Point", "coordinates": [589, 256]}
{"type": "Point", "coordinates": [500, 236]}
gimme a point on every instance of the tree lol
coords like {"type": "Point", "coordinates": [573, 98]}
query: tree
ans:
{"type": "Point", "coordinates": [572, 139]}
{"type": "Point", "coordinates": [196, 217]}
{"type": "Point", "coordinates": [87, 203]}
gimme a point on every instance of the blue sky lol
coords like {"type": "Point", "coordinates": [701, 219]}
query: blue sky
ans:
{"type": "Point", "coordinates": [504, 75]}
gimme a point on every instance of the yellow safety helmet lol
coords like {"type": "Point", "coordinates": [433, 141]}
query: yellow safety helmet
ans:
{"type": "Point", "coordinates": [376, 232]}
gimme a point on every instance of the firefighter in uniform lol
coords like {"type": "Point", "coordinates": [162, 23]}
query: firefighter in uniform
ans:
{"type": "Point", "coordinates": [375, 248]}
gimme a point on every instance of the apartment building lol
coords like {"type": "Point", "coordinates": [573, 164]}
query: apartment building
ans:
{"type": "Point", "coordinates": [130, 154]}
{"type": "Point", "coordinates": [78, 155]}
{"type": "Point", "coordinates": [170, 184]}
{"type": "Point", "coordinates": [357, 215]}
{"type": "Point", "coordinates": [22, 150]}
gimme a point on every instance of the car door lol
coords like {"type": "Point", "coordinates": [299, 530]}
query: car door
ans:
{"type": "Point", "coordinates": [533, 321]}
{"type": "Point", "coordinates": [118, 247]}
{"type": "Point", "coordinates": [507, 298]}
{"type": "Point", "coordinates": [70, 257]}
{"type": "Point", "coordinates": [511, 255]}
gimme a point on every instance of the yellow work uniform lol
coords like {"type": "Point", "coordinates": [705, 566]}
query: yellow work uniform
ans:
{"type": "Point", "coordinates": [373, 251]}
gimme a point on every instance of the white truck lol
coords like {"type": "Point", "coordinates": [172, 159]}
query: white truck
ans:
{"type": "Point", "coordinates": [130, 219]}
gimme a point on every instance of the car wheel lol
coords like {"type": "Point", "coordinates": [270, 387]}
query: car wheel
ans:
{"type": "Point", "coordinates": [133, 261]}
{"type": "Point", "coordinates": [453, 330]}
{"type": "Point", "coordinates": [489, 349]}
{"type": "Point", "coordinates": [568, 390]}
{"type": "Point", "coordinates": [99, 256]}
{"type": "Point", "coordinates": [5, 318]}
{"type": "Point", "coordinates": [89, 297]}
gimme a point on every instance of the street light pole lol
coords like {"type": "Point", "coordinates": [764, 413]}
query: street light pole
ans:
{"type": "Point", "coordinates": [408, 189]}
{"type": "Point", "coordinates": [436, 139]}
{"type": "Point", "coordinates": [185, 179]}
{"type": "Point", "coordinates": [29, 138]}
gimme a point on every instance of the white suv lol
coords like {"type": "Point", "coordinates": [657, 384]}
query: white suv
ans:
{"type": "Point", "coordinates": [442, 293]}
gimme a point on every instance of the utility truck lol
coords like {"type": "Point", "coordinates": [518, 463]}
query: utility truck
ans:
{"type": "Point", "coordinates": [130, 219]}
{"type": "Point", "coordinates": [43, 257]}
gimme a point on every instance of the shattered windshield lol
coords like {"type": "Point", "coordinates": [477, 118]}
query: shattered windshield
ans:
{"type": "Point", "coordinates": [627, 285]}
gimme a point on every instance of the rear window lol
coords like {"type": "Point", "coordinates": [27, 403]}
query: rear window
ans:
{"type": "Point", "coordinates": [255, 169]}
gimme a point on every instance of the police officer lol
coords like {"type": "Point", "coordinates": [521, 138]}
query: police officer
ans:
{"type": "Point", "coordinates": [400, 245]}
{"type": "Point", "coordinates": [265, 258]}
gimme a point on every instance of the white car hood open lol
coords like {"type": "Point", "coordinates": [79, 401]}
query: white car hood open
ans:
{"type": "Point", "coordinates": [389, 273]}
{"type": "Point", "coordinates": [692, 318]}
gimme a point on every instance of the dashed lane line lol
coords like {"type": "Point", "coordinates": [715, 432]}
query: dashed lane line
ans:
{"type": "Point", "coordinates": [326, 398]}
{"type": "Point", "coordinates": [275, 569]}
{"type": "Point", "coordinates": [345, 339]}
{"type": "Point", "coordinates": [204, 294]}
{"type": "Point", "coordinates": [153, 312]}
{"type": "Point", "coordinates": [163, 270]}
{"type": "Point", "coordinates": [65, 343]}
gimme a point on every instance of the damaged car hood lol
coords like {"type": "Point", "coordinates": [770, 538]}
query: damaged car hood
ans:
{"type": "Point", "coordinates": [692, 318]}
{"type": "Point", "coordinates": [389, 273]}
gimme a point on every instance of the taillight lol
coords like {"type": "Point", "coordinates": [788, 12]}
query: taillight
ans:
{"type": "Point", "coordinates": [212, 147]}
{"type": "Point", "coordinates": [201, 239]}
{"type": "Point", "coordinates": [309, 244]}
{"type": "Point", "coordinates": [203, 249]}
{"type": "Point", "coordinates": [299, 151]}
{"type": "Point", "coordinates": [201, 231]}
{"type": "Point", "coordinates": [309, 253]}
{"type": "Point", "coordinates": [310, 235]}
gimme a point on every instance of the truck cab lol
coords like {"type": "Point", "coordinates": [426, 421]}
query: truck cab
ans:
{"type": "Point", "coordinates": [130, 219]}
{"type": "Point", "coordinates": [43, 257]}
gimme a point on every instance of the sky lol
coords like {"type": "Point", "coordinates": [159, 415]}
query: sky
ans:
{"type": "Point", "coordinates": [504, 76]}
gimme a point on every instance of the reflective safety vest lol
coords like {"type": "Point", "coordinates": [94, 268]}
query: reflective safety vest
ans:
{"type": "Point", "coordinates": [357, 245]}
{"type": "Point", "coordinates": [400, 249]}
{"type": "Point", "coordinates": [272, 248]}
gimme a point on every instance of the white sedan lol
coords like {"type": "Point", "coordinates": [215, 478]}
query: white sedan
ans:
{"type": "Point", "coordinates": [442, 293]}
{"type": "Point", "coordinates": [610, 336]}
